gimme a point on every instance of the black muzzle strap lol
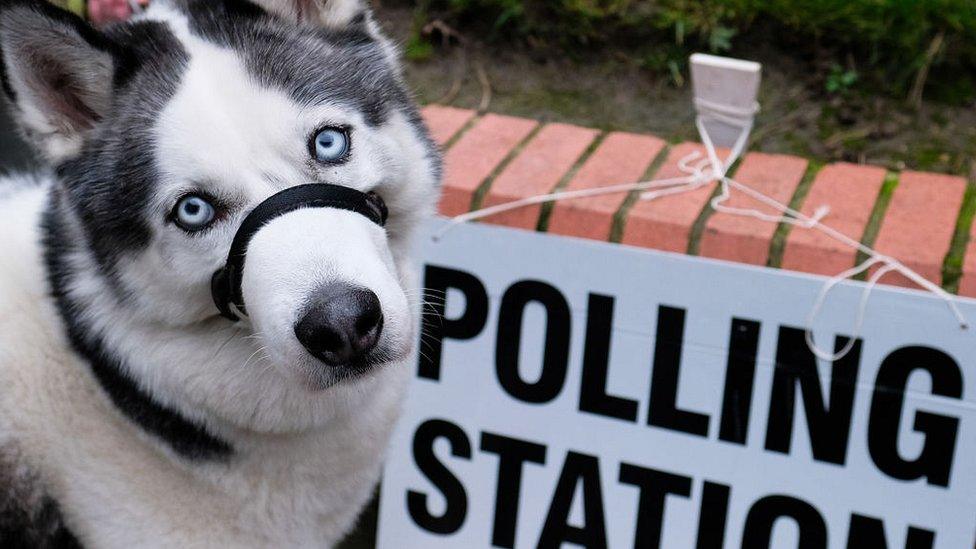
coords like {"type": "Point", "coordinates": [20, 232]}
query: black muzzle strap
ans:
{"type": "Point", "coordinates": [226, 282]}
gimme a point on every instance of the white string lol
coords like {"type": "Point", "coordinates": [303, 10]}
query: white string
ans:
{"type": "Point", "coordinates": [557, 196]}
{"type": "Point", "coordinates": [792, 216]}
{"type": "Point", "coordinates": [710, 170]}
{"type": "Point", "coordinates": [789, 215]}
{"type": "Point", "coordinates": [727, 114]}
{"type": "Point", "coordinates": [719, 168]}
{"type": "Point", "coordinates": [859, 319]}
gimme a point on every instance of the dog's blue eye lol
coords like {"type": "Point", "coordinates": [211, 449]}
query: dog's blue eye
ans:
{"type": "Point", "coordinates": [331, 145]}
{"type": "Point", "coordinates": [193, 213]}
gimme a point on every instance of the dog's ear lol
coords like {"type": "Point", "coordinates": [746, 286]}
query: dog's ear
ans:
{"type": "Point", "coordinates": [335, 14]}
{"type": "Point", "coordinates": [57, 73]}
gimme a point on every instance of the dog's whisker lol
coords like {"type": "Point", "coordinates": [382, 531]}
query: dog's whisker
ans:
{"type": "Point", "coordinates": [260, 349]}
{"type": "Point", "coordinates": [429, 307]}
{"type": "Point", "coordinates": [267, 368]}
{"type": "Point", "coordinates": [222, 345]}
{"type": "Point", "coordinates": [432, 290]}
{"type": "Point", "coordinates": [441, 297]}
{"type": "Point", "coordinates": [424, 355]}
{"type": "Point", "coordinates": [426, 291]}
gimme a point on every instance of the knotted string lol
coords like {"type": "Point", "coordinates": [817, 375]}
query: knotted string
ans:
{"type": "Point", "coordinates": [703, 171]}
{"type": "Point", "coordinates": [562, 195]}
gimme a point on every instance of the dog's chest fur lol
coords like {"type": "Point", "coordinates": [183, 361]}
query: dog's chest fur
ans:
{"type": "Point", "coordinates": [67, 454]}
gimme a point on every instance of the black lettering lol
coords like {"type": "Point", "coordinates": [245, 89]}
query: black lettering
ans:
{"type": "Point", "coordinates": [596, 360]}
{"type": "Point", "coordinates": [435, 326]}
{"type": "Point", "coordinates": [869, 532]}
{"type": "Point", "coordinates": [934, 463]}
{"type": "Point", "coordinates": [440, 476]}
{"type": "Point", "coordinates": [664, 411]}
{"type": "Point", "coordinates": [512, 455]}
{"type": "Point", "coordinates": [654, 489]}
{"type": "Point", "coordinates": [829, 424]}
{"type": "Point", "coordinates": [764, 513]}
{"type": "Point", "coordinates": [740, 374]}
{"type": "Point", "coordinates": [557, 530]}
{"type": "Point", "coordinates": [714, 513]}
{"type": "Point", "coordinates": [555, 358]}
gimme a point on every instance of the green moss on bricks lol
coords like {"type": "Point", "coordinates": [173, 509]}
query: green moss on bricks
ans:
{"type": "Point", "coordinates": [698, 227]}
{"type": "Point", "coordinates": [877, 216]}
{"type": "Point", "coordinates": [547, 208]}
{"type": "Point", "coordinates": [460, 133]}
{"type": "Point", "coordinates": [777, 247]}
{"type": "Point", "coordinates": [620, 217]}
{"type": "Point", "coordinates": [478, 198]}
{"type": "Point", "coordinates": [952, 267]}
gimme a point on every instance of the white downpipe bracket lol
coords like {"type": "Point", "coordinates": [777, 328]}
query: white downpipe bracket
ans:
{"type": "Point", "coordinates": [726, 92]}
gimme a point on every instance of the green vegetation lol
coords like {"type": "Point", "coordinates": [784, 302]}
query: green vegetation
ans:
{"type": "Point", "coordinates": [478, 198]}
{"type": "Point", "coordinates": [777, 247]}
{"type": "Point", "coordinates": [698, 227]}
{"type": "Point", "coordinates": [894, 46]}
{"type": "Point", "coordinates": [76, 6]}
{"type": "Point", "coordinates": [952, 268]}
{"type": "Point", "coordinates": [873, 227]}
{"type": "Point", "coordinates": [547, 208]}
{"type": "Point", "coordinates": [620, 218]}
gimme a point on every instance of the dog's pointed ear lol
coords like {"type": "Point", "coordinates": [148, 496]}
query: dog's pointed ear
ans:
{"type": "Point", "coordinates": [334, 14]}
{"type": "Point", "coordinates": [57, 73]}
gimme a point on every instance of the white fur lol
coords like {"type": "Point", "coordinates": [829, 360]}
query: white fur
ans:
{"type": "Point", "coordinates": [306, 457]}
{"type": "Point", "coordinates": [330, 13]}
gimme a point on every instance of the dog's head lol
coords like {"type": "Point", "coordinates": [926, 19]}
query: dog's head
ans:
{"type": "Point", "coordinates": [168, 130]}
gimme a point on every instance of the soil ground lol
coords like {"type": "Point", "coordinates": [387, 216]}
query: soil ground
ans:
{"type": "Point", "coordinates": [606, 89]}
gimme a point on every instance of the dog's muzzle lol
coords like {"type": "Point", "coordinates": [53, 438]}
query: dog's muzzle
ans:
{"type": "Point", "coordinates": [226, 282]}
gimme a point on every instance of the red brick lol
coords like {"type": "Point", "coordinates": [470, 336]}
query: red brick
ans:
{"type": "Point", "coordinates": [537, 169]}
{"type": "Point", "coordinates": [851, 192]}
{"type": "Point", "coordinates": [473, 157]}
{"type": "Point", "coordinates": [746, 239]}
{"type": "Point", "coordinates": [665, 223]}
{"type": "Point", "coordinates": [445, 122]}
{"type": "Point", "coordinates": [621, 158]}
{"type": "Point", "coordinates": [918, 226]}
{"type": "Point", "coordinates": [917, 230]}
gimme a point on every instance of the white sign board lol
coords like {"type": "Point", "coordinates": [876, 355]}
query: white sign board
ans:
{"type": "Point", "coordinates": [604, 396]}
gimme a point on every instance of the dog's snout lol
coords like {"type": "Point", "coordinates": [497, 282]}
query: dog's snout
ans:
{"type": "Point", "coordinates": [342, 325]}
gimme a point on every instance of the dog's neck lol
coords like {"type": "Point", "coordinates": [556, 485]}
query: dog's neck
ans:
{"type": "Point", "coordinates": [189, 438]}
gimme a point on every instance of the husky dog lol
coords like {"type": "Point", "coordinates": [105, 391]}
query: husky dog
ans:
{"type": "Point", "coordinates": [132, 414]}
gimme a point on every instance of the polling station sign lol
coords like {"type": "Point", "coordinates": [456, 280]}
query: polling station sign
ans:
{"type": "Point", "coordinates": [595, 395]}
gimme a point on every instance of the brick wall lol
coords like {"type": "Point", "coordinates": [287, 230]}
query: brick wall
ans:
{"type": "Point", "coordinates": [912, 216]}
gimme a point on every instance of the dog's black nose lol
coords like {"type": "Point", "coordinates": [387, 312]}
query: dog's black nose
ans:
{"type": "Point", "coordinates": [342, 324]}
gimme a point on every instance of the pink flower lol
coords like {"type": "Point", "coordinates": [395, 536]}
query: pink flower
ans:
{"type": "Point", "coordinates": [102, 12]}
